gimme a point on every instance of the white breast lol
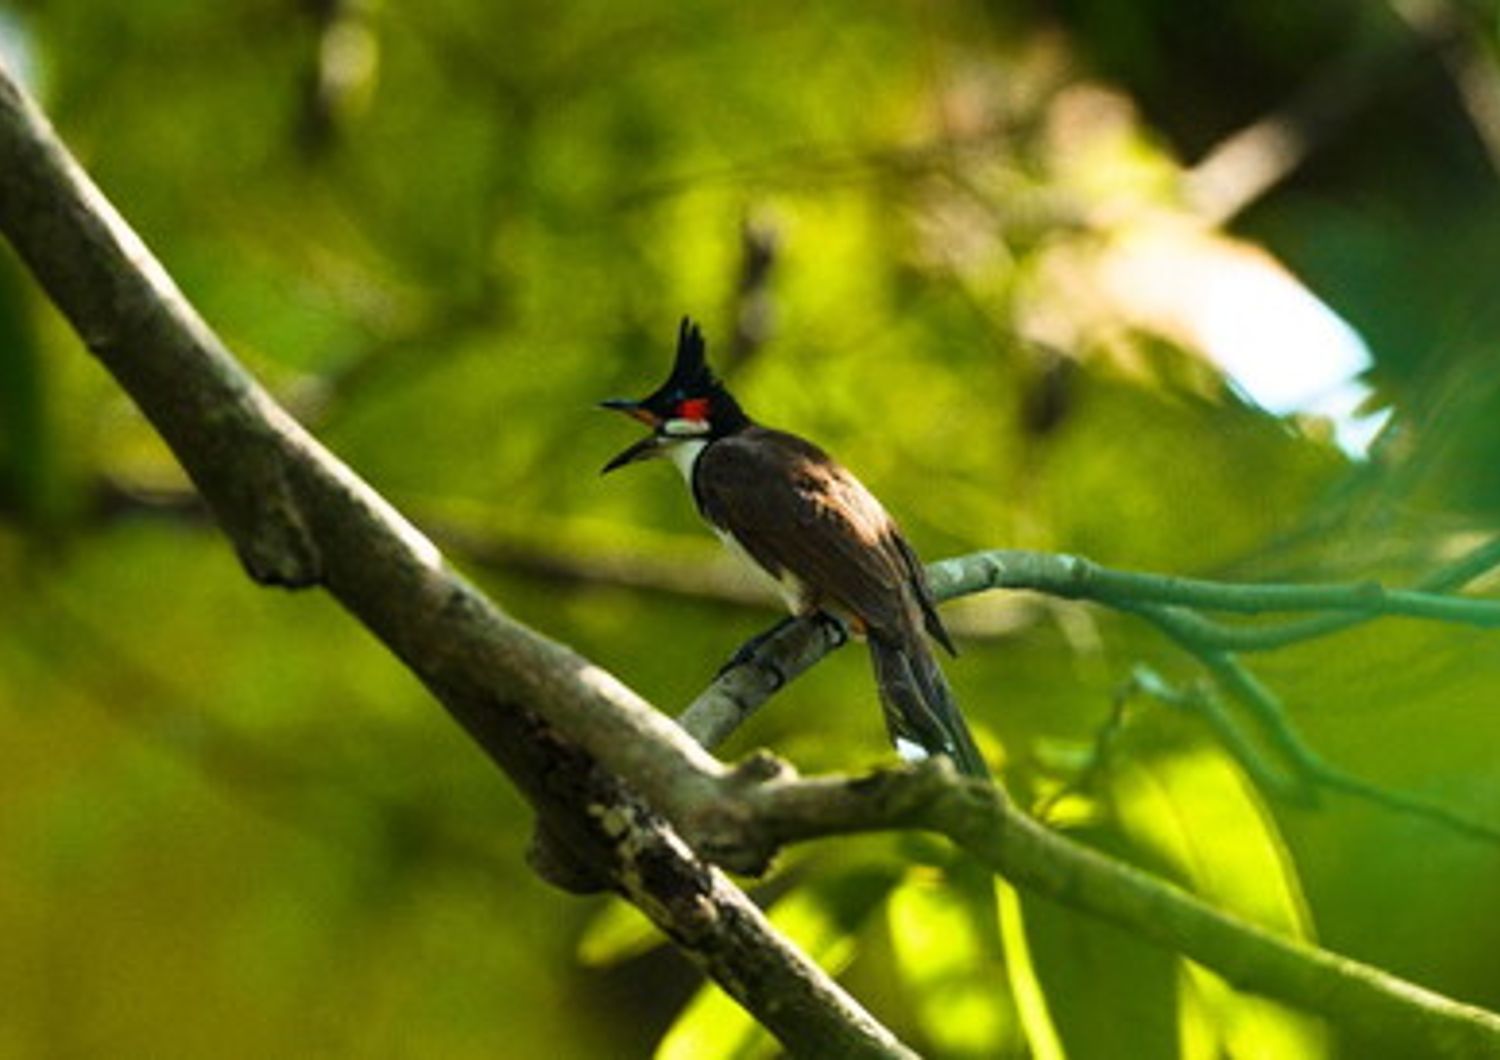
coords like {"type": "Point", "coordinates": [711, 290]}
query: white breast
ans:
{"type": "Point", "coordinates": [787, 586]}
{"type": "Point", "coordinates": [685, 454]}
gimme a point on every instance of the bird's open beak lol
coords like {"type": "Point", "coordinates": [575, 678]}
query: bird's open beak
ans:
{"type": "Point", "coordinates": [644, 449]}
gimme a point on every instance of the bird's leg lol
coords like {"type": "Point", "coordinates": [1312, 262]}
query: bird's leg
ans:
{"type": "Point", "coordinates": [746, 651]}
{"type": "Point", "coordinates": [836, 632]}
{"type": "Point", "coordinates": [834, 628]}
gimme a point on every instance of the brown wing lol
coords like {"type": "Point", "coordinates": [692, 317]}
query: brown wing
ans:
{"type": "Point", "coordinates": [793, 509]}
{"type": "Point", "coordinates": [918, 580]}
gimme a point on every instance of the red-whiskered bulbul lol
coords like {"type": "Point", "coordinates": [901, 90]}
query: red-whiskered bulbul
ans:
{"type": "Point", "coordinates": [795, 514]}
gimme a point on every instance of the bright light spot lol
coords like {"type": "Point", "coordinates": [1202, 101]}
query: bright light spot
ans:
{"type": "Point", "coordinates": [1285, 350]}
{"type": "Point", "coordinates": [1288, 351]}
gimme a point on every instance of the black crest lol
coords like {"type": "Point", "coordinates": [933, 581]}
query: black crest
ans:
{"type": "Point", "coordinates": [690, 372]}
{"type": "Point", "coordinates": [691, 378]}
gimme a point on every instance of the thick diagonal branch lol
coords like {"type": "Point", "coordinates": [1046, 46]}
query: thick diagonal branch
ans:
{"type": "Point", "coordinates": [299, 517]}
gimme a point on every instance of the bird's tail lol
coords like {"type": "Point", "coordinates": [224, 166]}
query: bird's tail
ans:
{"type": "Point", "coordinates": [920, 710]}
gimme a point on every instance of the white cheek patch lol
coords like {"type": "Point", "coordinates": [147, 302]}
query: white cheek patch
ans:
{"type": "Point", "coordinates": [679, 428]}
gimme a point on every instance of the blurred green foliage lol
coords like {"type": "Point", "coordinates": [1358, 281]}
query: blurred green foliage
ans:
{"type": "Point", "coordinates": [231, 825]}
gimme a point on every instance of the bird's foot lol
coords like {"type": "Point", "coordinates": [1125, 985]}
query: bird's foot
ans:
{"type": "Point", "coordinates": [746, 653]}
{"type": "Point", "coordinates": [835, 629]}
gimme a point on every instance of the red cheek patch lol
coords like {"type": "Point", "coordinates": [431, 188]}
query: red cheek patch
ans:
{"type": "Point", "coordinates": [693, 409]}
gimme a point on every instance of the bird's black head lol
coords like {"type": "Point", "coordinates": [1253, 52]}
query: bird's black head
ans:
{"type": "Point", "coordinates": [692, 405]}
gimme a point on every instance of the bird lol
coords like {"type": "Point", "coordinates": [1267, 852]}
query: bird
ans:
{"type": "Point", "coordinates": [829, 547]}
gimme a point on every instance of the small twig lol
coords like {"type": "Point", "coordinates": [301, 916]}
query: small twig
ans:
{"type": "Point", "coordinates": [1475, 563]}
{"type": "Point", "coordinates": [1310, 767]}
{"type": "Point", "coordinates": [1202, 703]}
{"type": "Point", "coordinates": [1230, 675]}
{"type": "Point", "coordinates": [1100, 754]}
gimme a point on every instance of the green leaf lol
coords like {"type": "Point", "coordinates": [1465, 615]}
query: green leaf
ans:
{"type": "Point", "coordinates": [1195, 813]}
{"type": "Point", "coordinates": [1030, 998]}
{"type": "Point", "coordinates": [1107, 993]}
{"type": "Point", "coordinates": [959, 986]}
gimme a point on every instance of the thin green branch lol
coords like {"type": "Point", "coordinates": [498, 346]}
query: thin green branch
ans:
{"type": "Point", "coordinates": [1073, 577]}
{"type": "Point", "coordinates": [1310, 768]}
{"type": "Point", "coordinates": [740, 690]}
{"type": "Point", "coordinates": [1202, 703]}
{"type": "Point", "coordinates": [1237, 681]}
{"type": "Point", "coordinates": [1167, 601]}
{"type": "Point", "coordinates": [1446, 579]}
{"type": "Point", "coordinates": [1270, 637]}
{"type": "Point", "coordinates": [1475, 563]}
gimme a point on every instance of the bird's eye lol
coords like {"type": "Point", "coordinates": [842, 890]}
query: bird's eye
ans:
{"type": "Point", "coordinates": [693, 409]}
